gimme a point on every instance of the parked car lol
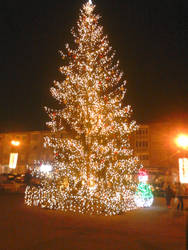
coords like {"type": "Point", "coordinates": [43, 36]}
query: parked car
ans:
{"type": "Point", "coordinates": [12, 178]}
{"type": "Point", "coordinates": [19, 178]}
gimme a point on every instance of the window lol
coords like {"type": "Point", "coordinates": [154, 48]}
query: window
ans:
{"type": "Point", "coordinates": [142, 144]}
{"type": "Point", "coordinates": [24, 137]}
{"type": "Point", "coordinates": [22, 158]}
{"type": "Point", "coordinates": [34, 136]}
{"type": "Point", "coordinates": [144, 157]}
{"type": "Point", "coordinates": [145, 144]}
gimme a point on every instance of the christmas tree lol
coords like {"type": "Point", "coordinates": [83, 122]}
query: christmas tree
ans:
{"type": "Point", "coordinates": [94, 168]}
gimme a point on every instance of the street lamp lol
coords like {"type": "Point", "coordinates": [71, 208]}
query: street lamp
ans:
{"type": "Point", "coordinates": [182, 141]}
{"type": "Point", "coordinates": [15, 143]}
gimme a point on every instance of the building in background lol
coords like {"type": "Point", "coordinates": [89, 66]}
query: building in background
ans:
{"type": "Point", "coordinates": [29, 150]}
{"type": "Point", "coordinates": [153, 143]}
{"type": "Point", "coordinates": [141, 144]}
{"type": "Point", "coordinates": [156, 148]}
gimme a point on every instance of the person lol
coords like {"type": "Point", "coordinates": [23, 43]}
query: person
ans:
{"type": "Point", "coordinates": [28, 178]}
{"type": "Point", "coordinates": [179, 195]}
{"type": "Point", "coordinates": [169, 193]}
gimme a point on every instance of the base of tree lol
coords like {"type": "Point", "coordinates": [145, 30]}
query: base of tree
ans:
{"type": "Point", "coordinates": [105, 202]}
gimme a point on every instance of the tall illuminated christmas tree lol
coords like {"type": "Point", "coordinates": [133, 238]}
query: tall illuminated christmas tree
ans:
{"type": "Point", "coordinates": [94, 170]}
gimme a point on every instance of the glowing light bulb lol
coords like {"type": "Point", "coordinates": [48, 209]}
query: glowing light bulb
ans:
{"type": "Point", "coordinates": [45, 168]}
{"type": "Point", "coordinates": [15, 143]}
{"type": "Point", "coordinates": [182, 141]}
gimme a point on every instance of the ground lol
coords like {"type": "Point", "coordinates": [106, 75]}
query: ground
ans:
{"type": "Point", "coordinates": [27, 228]}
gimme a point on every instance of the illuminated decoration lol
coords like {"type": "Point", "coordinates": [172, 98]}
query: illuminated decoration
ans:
{"type": "Point", "coordinates": [183, 170]}
{"type": "Point", "coordinates": [15, 143]}
{"type": "Point", "coordinates": [13, 160]}
{"type": "Point", "coordinates": [182, 141]}
{"type": "Point", "coordinates": [143, 196]}
{"type": "Point", "coordinates": [94, 170]}
{"type": "Point", "coordinates": [45, 168]}
{"type": "Point", "coordinates": [143, 177]}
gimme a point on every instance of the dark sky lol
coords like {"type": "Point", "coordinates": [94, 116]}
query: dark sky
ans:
{"type": "Point", "coordinates": [150, 37]}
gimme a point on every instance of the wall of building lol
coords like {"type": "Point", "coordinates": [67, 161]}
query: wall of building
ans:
{"type": "Point", "coordinates": [30, 149]}
{"type": "Point", "coordinates": [155, 146]}
{"type": "Point", "coordinates": [153, 143]}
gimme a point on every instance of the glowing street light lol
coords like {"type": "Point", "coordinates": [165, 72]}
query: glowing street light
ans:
{"type": "Point", "coordinates": [15, 143]}
{"type": "Point", "coordinates": [182, 141]}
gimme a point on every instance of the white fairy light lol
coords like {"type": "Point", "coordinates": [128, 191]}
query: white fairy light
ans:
{"type": "Point", "coordinates": [142, 202]}
{"type": "Point", "coordinates": [45, 168]}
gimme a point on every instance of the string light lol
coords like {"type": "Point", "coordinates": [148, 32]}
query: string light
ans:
{"type": "Point", "coordinates": [94, 168]}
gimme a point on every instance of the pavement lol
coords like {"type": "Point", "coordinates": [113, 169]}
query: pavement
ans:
{"type": "Point", "coordinates": [28, 228]}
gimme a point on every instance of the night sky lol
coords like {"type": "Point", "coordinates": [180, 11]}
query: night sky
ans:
{"type": "Point", "coordinates": [150, 37]}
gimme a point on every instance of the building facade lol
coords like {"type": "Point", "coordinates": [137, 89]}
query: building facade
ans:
{"type": "Point", "coordinates": [154, 144]}
{"type": "Point", "coordinates": [29, 150]}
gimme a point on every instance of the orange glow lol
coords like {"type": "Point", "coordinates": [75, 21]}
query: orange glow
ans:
{"type": "Point", "coordinates": [182, 141]}
{"type": "Point", "coordinates": [15, 143]}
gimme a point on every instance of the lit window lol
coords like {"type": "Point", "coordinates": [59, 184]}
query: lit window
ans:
{"type": "Point", "coordinates": [13, 160]}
